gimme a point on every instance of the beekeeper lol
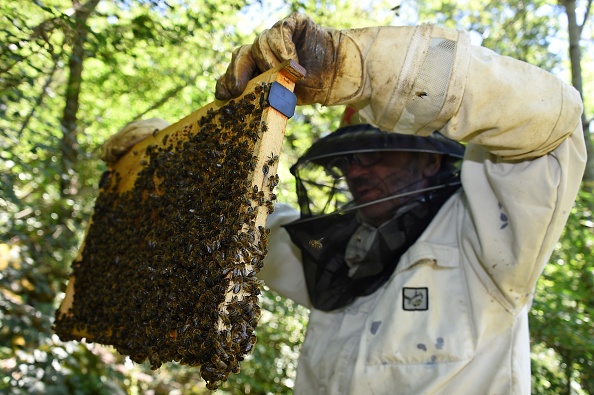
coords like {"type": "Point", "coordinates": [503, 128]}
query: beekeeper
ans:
{"type": "Point", "coordinates": [419, 273]}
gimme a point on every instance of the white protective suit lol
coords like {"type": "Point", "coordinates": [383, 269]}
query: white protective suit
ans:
{"type": "Point", "coordinates": [453, 317]}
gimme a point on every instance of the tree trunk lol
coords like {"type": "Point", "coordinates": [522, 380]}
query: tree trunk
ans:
{"type": "Point", "coordinates": [68, 184]}
{"type": "Point", "coordinates": [575, 57]}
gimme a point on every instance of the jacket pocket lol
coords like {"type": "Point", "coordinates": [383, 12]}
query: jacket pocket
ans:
{"type": "Point", "coordinates": [421, 327]}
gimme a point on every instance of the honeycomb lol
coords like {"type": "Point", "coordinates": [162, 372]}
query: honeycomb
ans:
{"type": "Point", "coordinates": [168, 269]}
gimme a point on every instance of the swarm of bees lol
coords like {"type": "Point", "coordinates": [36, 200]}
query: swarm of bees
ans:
{"type": "Point", "coordinates": [168, 268]}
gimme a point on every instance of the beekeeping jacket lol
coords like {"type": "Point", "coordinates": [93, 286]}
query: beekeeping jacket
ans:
{"type": "Point", "coordinates": [453, 317]}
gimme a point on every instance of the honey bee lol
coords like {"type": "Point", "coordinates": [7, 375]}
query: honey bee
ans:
{"type": "Point", "coordinates": [272, 159]}
{"type": "Point", "coordinates": [273, 181]}
{"type": "Point", "coordinates": [186, 245]}
{"type": "Point", "coordinates": [104, 179]}
{"type": "Point", "coordinates": [317, 244]}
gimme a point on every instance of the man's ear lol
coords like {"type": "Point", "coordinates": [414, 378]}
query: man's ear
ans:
{"type": "Point", "coordinates": [431, 165]}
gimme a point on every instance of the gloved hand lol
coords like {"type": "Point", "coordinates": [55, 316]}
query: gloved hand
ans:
{"type": "Point", "coordinates": [134, 132]}
{"type": "Point", "coordinates": [413, 75]}
{"type": "Point", "coordinates": [324, 52]}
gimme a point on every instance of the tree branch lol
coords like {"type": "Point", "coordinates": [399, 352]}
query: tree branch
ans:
{"type": "Point", "coordinates": [39, 99]}
{"type": "Point", "coordinates": [168, 95]}
{"type": "Point", "coordinates": [70, 115]}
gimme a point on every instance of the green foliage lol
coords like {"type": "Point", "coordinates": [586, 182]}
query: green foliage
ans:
{"type": "Point", "coordinates": [524, 30]}
{"type": "Point", "coordinates": [140, 59]}
{"type": "Point", "coordinates": [151, 58]}
{"type": "Point", "coordinates": [563, 311]}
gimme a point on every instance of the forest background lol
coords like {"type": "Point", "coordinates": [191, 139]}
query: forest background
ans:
{"type": "Point", "coordinates": [73, 73]}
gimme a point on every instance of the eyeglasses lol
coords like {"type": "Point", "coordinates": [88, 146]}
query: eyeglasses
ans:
{"type": "Point", "coordinates": [339, 166]}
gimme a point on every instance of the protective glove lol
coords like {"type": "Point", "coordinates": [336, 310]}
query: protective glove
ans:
{"type": "Point", "coordinates": [295, 37]}
{"type": "Point", "coordinates": [121, 142]}
{"type": "Point", "coordinates": [389, 72]}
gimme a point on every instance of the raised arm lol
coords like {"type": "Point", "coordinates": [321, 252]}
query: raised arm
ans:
{"type": "Point", "coordinates": [526, 153]}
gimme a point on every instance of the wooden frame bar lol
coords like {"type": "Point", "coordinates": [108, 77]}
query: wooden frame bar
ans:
{"type": "Point", "coordinates": [179, 284]}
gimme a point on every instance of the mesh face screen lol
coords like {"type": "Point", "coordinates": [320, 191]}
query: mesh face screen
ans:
{"type": "Point", "coordinates": [325, 193]}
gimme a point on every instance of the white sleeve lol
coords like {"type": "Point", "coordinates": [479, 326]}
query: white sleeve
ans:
{"type": "Point", "coordinates": [427, 78]}
{"type": "Point", "coordinates": [522, 169]}
{"type": "Point", "coordinates": [525, 156]}
{"type": "Point", "coordinates": [283, 270]}
{"type": "Point", "coordinates": [524, 160]}
{"type": "Point", "coordinates": [513, 109]}
{"type": "Point", "coordinates": [517, 211]}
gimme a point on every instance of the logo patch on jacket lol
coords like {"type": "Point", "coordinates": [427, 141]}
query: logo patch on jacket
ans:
{"type": "Point", "coordinates": [415, 299]}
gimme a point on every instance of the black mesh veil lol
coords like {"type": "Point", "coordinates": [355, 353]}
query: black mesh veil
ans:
{"type": "Point", "coordinates": [319, 192]}
{"type": "Point", "coordinates": [329, 216]}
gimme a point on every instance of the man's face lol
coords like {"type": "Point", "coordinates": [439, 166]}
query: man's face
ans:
{"type": "Point", "coordinates": [388, 174]}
